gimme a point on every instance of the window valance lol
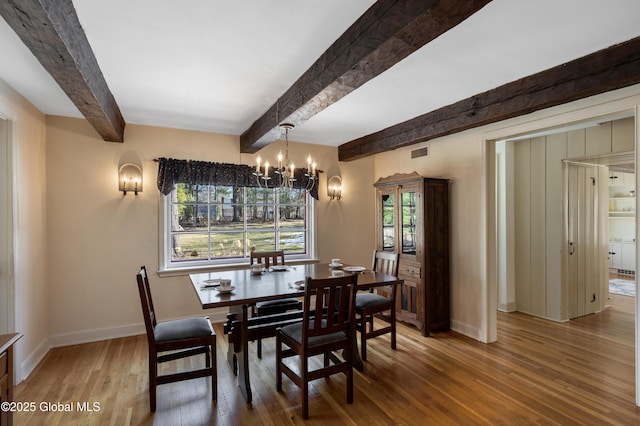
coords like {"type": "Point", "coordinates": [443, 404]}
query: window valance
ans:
{"type": "Point", "coordinates": [172, 171]}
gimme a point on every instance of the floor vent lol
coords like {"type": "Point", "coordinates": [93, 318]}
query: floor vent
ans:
{"type": "Point", "coordinates": [625, 272]}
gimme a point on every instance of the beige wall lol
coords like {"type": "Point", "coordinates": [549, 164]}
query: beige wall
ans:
{"type": "Point", "coordinates": [98, 238]}
{"type": "Point", "coordinates": [31, 280]}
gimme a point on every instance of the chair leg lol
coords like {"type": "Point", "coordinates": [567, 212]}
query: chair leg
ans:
{"type": "Point", "coordinates": [214, 372]}
{"type": "Point", "coordinates": [278, 364]}
{"type": "Point", "coordinates": [363, 337]}
{"type": "Point", "coordinates": [153, 374]}
{"type": "Point", "coordinates": [350, 385]}
{"type": "Point", "coordinates": [393, 328]}
{"type": "Point", "coordinates": [305, 387]}
{"type": "Point", "coordinates": [260, 348]}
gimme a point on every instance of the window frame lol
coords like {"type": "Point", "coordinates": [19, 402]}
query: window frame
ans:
{"type": "Point", "coordinates": [167, 265]}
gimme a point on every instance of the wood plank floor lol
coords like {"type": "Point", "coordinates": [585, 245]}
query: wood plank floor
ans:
{"type": "Point", "coordinates": [539, 372]}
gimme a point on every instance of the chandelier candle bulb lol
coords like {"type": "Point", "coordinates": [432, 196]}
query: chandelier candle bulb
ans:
{"type": "Point", "coordinates": [258, 160]}
{"type": "Point", "coordinates": [266, 168]}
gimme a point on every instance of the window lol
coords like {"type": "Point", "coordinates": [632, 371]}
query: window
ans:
{"type": "Point", "coordinates": [218, 224]}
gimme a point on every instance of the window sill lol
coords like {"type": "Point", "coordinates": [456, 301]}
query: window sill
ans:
{"type": "Point", "coordinates": [175, 272]}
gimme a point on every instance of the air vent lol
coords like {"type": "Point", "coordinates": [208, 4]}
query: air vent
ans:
{"type": "Point", "coordinates": [422, 152]}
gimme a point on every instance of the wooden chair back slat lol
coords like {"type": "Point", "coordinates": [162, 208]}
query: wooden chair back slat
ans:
{"type": "Point", "coordinates": [269, 258]}
{"type": "Point", "coordinates": [147, 303]}
{"type": "Point", "coordinates": [333, 302]}
{"type": "Point", "coordinates": [385, 262]}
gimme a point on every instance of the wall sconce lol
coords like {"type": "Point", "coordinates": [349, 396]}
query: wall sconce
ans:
{"type": "Point", "coordinates": [334, 187]}
{"type": "Point", "coordinates": [130, 178]}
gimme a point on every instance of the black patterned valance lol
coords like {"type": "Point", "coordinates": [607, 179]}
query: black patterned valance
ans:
{"type": "Point", "coordinates": [172, 171]}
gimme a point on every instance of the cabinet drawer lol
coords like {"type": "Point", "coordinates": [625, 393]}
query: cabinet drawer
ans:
{"type": "Point", "coordinates": [3, 364]}
{"type": "Point", "coordinates": [409, 271]}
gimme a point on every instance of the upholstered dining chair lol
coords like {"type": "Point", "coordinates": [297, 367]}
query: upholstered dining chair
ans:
{"type": "Point", "coordinates": [373, 304]}
{"type": "Point", "coordinates": [327, 326]}
{"type": "Point", "coordinates": [271, 258]}
{"type": "Point", "coordinates": [181, 338]}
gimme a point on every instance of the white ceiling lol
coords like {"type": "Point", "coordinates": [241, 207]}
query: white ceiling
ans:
{"type": "Point", "coordinates": [215, 65]}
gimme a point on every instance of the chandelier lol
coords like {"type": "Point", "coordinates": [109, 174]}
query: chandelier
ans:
{"type": "Point", "coordinates": [285, 171]}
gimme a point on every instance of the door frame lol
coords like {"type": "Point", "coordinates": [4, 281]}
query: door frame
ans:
{"type": "Point", "coordinates": [9, 257]}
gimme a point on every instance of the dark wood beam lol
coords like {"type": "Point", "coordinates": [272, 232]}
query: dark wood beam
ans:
{"type": "Point", "coordinates": [608, 69]}
{"type": "Point", "coordinates": [52, 31]}
{"type": "Point", "coordinates": [384, 35]}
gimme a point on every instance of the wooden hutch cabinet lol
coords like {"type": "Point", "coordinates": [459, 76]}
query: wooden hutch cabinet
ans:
{"type": "Point", "coordinates": [412, 218]}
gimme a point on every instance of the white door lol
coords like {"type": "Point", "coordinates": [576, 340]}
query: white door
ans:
{"type": "Point", "coordinates": [583, 271]}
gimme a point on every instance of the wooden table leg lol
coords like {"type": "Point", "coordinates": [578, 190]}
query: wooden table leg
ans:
{"type": "Point", "coordinates": [358, 364]}
{"type": "Point", "coordinates": [233, 336]}
{"type": "Point", "coordinates": [238, 350]}
{"type": "Point", "coordinates": [243, 357]}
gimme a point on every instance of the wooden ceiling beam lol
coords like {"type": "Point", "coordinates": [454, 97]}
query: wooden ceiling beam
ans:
{"type": "Point", "coordinates": [52, 31]}
{"type": "Point", "coordinates": [608, 69]}
{"type": "Point", "coordinates": [384, 35]}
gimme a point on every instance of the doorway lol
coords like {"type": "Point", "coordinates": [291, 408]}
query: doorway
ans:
{"type": "Point", "coordinates": [531, 184]}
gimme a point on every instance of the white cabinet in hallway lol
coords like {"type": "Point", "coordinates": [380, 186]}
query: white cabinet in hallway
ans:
{"type": "Point", "coordinates": [622, 214]}
{"type": "Point", "coordinates": [615, 256]}
{"type": "Point", "coordinates": [622, 257]}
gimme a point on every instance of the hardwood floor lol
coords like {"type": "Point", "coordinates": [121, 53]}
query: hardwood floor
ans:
{"type": "Point", "coordinates": [539, 372]}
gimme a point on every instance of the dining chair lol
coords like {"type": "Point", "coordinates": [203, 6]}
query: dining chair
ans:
{"type": "Point", "coordinates": [182, 337]}
{"type": "Point", "coordinates": [271, 258]}
{"type": "Point", "coordinates": [327, 326]}
{"type": "Point", "coordinates": [370, 305]}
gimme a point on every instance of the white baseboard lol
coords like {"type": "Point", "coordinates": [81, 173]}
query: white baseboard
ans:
{"type": "Point", "coordinates": [465, 329]}
{"type": "Point", "coordinates": [507, 307]}
{"type": "Point", "coordinates": [96, 335]}
{"type": "Point", "coordinates": [32, 360]}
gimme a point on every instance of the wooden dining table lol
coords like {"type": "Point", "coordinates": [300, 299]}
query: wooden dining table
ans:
{"type": "Point", "coordinates": [250, 288]}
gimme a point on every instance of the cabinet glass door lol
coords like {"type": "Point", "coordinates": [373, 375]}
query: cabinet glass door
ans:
{"type": "Point", "coordinates": [388, 222]}
{"type": "Point", "coordinates": [408, 222]}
